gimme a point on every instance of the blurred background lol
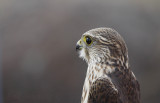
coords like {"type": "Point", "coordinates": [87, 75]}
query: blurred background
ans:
{"type": "Point", "coordinates": [38, 61]}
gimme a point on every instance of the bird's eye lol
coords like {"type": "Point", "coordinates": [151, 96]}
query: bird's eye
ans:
{"type": "Point", "coordinates": [88, 40]}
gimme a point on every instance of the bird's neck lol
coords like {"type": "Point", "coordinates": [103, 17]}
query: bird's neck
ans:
{"type": "Point", "coordinates": [106, 65]}
{"type": "Point", "coordinates": [101, 59]}
{"type": "Point", "coordinates": [98, 70]}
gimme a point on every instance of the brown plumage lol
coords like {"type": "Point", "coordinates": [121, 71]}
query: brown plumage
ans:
{"type": "Point", "coordinates": [108, 78]}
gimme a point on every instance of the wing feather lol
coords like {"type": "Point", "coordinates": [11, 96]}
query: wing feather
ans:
{"type": "Point", "coordinates": [103, 91]}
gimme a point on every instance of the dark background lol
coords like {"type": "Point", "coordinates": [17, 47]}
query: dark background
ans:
{"type": "Point", "coordinates": [39, 62]}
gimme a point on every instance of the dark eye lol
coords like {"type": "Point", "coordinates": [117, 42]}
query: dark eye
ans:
{"type": "Point", "coordinates": [88, 40]}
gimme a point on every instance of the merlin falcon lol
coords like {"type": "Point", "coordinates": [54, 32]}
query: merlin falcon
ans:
{"type": "Point", "coordinates": [109, 78]}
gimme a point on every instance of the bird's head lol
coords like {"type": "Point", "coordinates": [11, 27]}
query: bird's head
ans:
{"type": "Point", "coordinates": [101, 45]}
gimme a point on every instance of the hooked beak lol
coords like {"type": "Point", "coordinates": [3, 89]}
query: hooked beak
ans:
{"type": "Point", "coordinates": [78, 45]}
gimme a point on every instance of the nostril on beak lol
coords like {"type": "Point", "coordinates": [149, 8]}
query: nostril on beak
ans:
{"type": "Point", "coordinates": [77, 47]}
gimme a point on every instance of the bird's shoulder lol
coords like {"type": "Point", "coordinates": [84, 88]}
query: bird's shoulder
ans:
{"type": "Point", "coordinates": [103, 90]}
{"type": "Point", "coordinates": [126, 84]}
